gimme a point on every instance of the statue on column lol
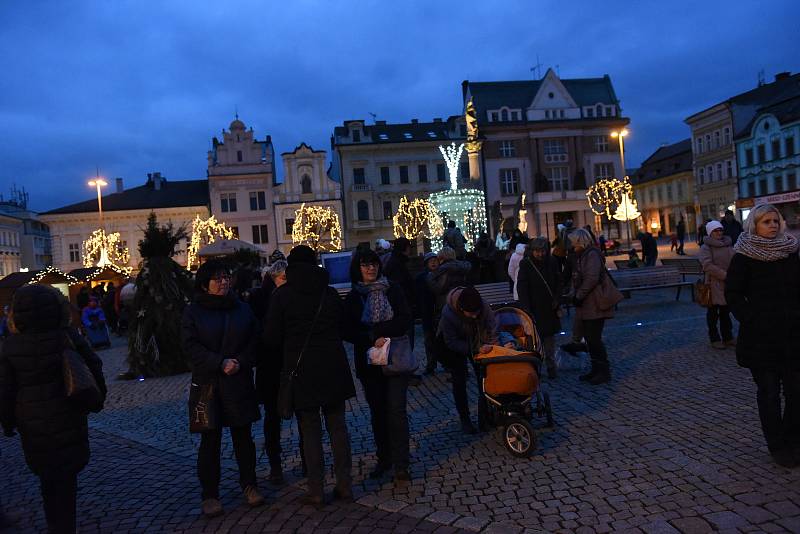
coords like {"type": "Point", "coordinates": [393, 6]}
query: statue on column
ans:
{"type": "Point", "coordinates": [473, 143]}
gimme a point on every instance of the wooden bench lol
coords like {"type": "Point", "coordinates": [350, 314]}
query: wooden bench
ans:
{"type": "Point", "coordinates": [644, 278]}
{"type": "Point", "coordinates": [497, 294]}
{"type": "Point", "coordinates": [622, 264]}
{"type": "Point", "coordinates": [684, 265]}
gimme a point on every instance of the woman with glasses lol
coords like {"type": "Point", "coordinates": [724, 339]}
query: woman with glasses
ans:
{"type": "Point", "coordinates": [220, 335]}
{"type": "Point", "coordinates": [377, 309]}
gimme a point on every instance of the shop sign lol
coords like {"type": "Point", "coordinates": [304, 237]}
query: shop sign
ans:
{"type": "Point", "coordinates": [780, 198]}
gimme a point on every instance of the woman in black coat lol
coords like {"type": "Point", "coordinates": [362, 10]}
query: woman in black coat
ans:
{"type": "Point", "coordinates": [538, 287]}
{"type": "Point", "coordinates": [377, 309]}
{"type": "Point", "coordinates": [220, 335]}
{"type": "Point", "coordinates": [55, 436]}
{"type": "Point", "coordinates": [304, 322]}
{"type": "Point", "coordinates": [762, 289]}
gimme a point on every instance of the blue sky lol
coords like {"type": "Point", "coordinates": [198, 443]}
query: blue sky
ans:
{"type": "Point", "coordinates": [135, 87]}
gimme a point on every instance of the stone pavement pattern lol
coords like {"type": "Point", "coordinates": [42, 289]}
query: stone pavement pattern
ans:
{"type": "Point", "coordinates": [672, 444]}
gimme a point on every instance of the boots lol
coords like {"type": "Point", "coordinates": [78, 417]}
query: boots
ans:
{"type": "Point", "coordinates": [601, 373]}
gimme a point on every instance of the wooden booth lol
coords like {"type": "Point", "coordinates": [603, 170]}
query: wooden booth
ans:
{"type": "Point", "coordinates": [50, 276]}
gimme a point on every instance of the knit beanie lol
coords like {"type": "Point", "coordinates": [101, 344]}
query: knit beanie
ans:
{"type": "Point", "coordinates": [470, 300]}
{"type": "Point", "coordinates": [713, 225]}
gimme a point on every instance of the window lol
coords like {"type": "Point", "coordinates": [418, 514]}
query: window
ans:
{"type": "Point", "coordinates": [660, 194]}
{"type": "Point", "coordinates": [669, 191]}
{"type": "Point", "coordinates": [708, 141]}
{"type": "Point", "coordinates": [441, 176]}
{"type": "Point", "coordinates": [305, 184]}
{"type": "Point", "coordinates": [385, 180]}
{"type": "Point", "coordinates": [748, 157]}
{"type": "Point", "coordinates": [776, 149]}
{"type": "Point", "coordinates": [727, 136]}
{"type": "Point", "coordinates": [515, 115]}
{"type": "Point", "coordinates": [791, 181]}
{"type": "Point", "coordinates": [701, 175]}
{"type": "Point", "coordinates": [358, 176]}
{"type": "Point", "coordinates": [729, 170]}
{"type": "Point", "coordinates": [289, 225]}
{"type": "Point", "coordinates": [716, 139]}
{"type": "Point", "coordinates": [547, 114]}
{"type": "Point", "coordinates": [235, 230]}
{"type": "Point", "coordinates": [561, 113]}
{"type": "Point", "coordinates": [407, 135]}
{"type": "Point", "coordinates": [356, 136]}
{"type": "Point", "coordinates": [507, 149]}
{"type": "Point", "coordinates": [652, 194]}
{"type": "Point", "coordinates": [710, 173]}
{"type": "Point", "coordinates": [719, 171]}
{"type": "Point", "coordinates": [601, 143]}
{"type": "Point", "coordinates": [258, 200]}
{"type": "Point", "coordinates": [494, 117]}
{"type": "Point", "coordinates": [603, 170]}
{"type": "Point", "coordinates": [388, 214]}
{"type": "Point", "coordinates": [751, 189]}
{"type": "Point", "coordinates": [422, 173]}
{"type": "Point", "coordinates": [599, 110]}
{"type": "Point", "coordinates": [699, 145]}
{"type": "Point", "coordinates": [239, 156]}
{"type": "Point", "coordinates": [554, 146]}
{"type": "Point", "coordinates": [432, 135]}
{"type": "Point", "coordinates": [590, 112]}
{"type": "Point", "coordinates": [762, 153]}
{"type": "Point", "coordinates": [403, 174]}
{"type": "Point", "coordinates": [788, 146]}
{"type": "Point", "coordinates": [363, 210]}
{"type": "Point", "coordinates": [504, 115]}
{"type": "Point", "coordinates": [383, 137]}
{"type": "Point", "coordinates": [762, 187]}
{"type": "Point", "coordinates": [260, 234]}
{"type": "Point", "coordinates": [228, 202]}
{"type": "Point", "coordinates": [680, 190]}
{"type": "Point", "coordinates": [74, 253]}
{"type": "Point", "coordinates": [558, 178]}
{"type": "Point", "coordinates": [509, 182]}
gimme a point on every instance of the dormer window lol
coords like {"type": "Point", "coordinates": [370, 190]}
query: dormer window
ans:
{"type": "Point", "coordinates": [356, 136]}
{"type": "Point", "coordinates": [305, 184]}
{"type": "Point", "coordinates": [599, 110]}
{"type": "Point", "coordinates": [590, 112]}
{"type": "Point", "coordinates": [504, 115]}
{"type": "Point", "coordinates": [432, 135]}
{"type": "Point", "coordinates": [407, 135]}
{"type": "Point", "coordinates": [494, 116]}
{"type": "Point", "coordinates": [383, 137]}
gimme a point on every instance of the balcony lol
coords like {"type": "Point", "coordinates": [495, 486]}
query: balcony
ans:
{"type": "Point", "coordinates": [359, 188]}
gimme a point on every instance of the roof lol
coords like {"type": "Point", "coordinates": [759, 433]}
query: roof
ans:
{"type": "Point", "coordinates": [786, 112]}
{"type": "Point", "coordinates": [173, 194]}
{"type": "Point", "coordinates": [666, 161]}
{"type": "Point", "coordinates": [383, 133]}
{"type": "Point", "coordinates": [19, 279]}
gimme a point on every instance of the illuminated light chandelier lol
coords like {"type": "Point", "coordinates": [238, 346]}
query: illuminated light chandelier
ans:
{"type": "Point", "coordinates": [627, 210]}
{"type": "Point", "coordinates": [205, 232]}
{"type": "Point", "coordinates": [606, 194]}
{"type": "Point", "coordinates": [415, 218]}
{"type": "Point", "coordinates": [312, 223]}
{"type": "Point", "coordinates": [105, 250]}
{"type": "Point", "coordinates": [466, 207]}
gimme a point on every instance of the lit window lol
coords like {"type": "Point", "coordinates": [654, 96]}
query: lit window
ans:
{"type": "Point", "coordinates": [407, 135]}
{"type": "Point", "coordinates": [432, 135]}
{"type": "Point", "coordinates": [383, 137]}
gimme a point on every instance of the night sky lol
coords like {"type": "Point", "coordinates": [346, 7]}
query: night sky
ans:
{"type": "Point", "coordinates": [134, 87]}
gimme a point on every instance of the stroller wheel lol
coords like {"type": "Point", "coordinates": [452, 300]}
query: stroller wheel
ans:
{"type": "Point", "coordinates": [519, 437]}
{"type": "Point", "coordinates": [548, 410]}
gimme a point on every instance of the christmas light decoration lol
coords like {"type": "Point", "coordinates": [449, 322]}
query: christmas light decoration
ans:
{"type": "Point", "coordinates": [627, 209]}
{"type": "Point", "coordinates": [452, 156]}
{"type": "Point", "coordinates": [39, 276]}
{"type": "Point", "coordinates": [205, 232]}
{"type": "Point", "coordinates": [311, 223]}
{"type": "Point", "coordinates": [416, 218]}
{"type": "Point", "coordinates": [523, 223]}
{"type": "Point", "coordinates": [104, 249]}
{"type": "Point", "coordinates": [605, 194]}
{"type": "Point", "coordinates": [122, 271]}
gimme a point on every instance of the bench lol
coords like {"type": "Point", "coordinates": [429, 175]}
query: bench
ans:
{"type": "Point", "coordinates": [644, 278]}
{"type": "Point", "coordinates": [684, 265]}
{"type": "Point", "coordinates": [496, 295]}
{"type": "Point", "coordinates": [622, 264]}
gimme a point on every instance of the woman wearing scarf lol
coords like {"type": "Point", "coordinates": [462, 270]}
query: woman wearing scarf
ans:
{"type": "Point", "coordinates": [376, 309]}
{"type": "Point", "coordinates": [715, 256]}
{"type": "Point", "coordinates": [762, 289]}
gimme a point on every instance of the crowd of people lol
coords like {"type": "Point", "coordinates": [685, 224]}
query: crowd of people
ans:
{"type": "Point", "coordinates": [279, 348]}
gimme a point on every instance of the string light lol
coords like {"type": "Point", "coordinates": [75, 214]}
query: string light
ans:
{"type": "Point", "coordinates": [104, 249]}
{"type": "Point", "coordinates": [466, 207]}
{"type": "Point", "coordinates": [205, 232]}
{"type": "Point", "coordinates": [311, 223]}
{"type": "Point", "coordinates": [605, 193]}
{"type": "Point", "coordinates": [627, 209]}
{"type": "Point", "coordinates": [416, 218]}
{"type": "Point", "coordinates": [123, 271]}
{"type": "Point", "coordinates": [452, 156]}
{"type": "Point", "coordinates": [39, 276]}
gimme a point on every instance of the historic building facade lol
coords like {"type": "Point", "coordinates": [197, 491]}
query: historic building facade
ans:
{"type": "Point", "coordinates": [664, 189]}
{"type": "Point", "coordinates": [549, 139]}
{"type": "Point", "coordinates": [33, 237]}
{"type": "Point", "coordinates": [377, 164]}
{"type": "Point", "coordinates": [241, 178]}
{"type": "Point", "coordinates": [305, 181]}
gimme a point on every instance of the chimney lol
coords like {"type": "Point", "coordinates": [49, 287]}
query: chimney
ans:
{"type": "Point", "coordinates": [157, 180]}
{"type": "Point", "coordinates": [120, 189]}
{"type": "Point", "coordinates": [414, 121]}
{"type": "Point", "coordinates": [437, 119]}
{"type": "Point", "coordinates": [782, 76]}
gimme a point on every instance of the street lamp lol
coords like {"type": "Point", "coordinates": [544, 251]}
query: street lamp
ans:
{"type": "Point", "coordinates": [619, 134]}
{"type": "Point", "coordinates": [98, 183]}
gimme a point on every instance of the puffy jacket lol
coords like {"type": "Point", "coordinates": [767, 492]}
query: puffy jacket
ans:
{"type": "Point", "coordinates": [715, 256]}
{"type": "Point", "coordinates": [463, 335]}
{"type": "Point", "coordinates": [513, 265]}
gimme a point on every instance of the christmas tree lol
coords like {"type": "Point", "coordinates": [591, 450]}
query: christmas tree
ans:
{"type": "Point", "coordinates": [163, 289]}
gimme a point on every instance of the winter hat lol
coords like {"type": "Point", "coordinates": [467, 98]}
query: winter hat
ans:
{"type": "Point", "coordinates": [470, 300]}
{"type": "Point", "coordinates": [302, 254]}
{"type": "Point", "coordinates": [713, 225]}
{"type": "Point", "coordinates": [539, 243]}
{"type": "Point", "coordinates": [428, 256]}
{"type": "Point", "coordinates": [276, 255]}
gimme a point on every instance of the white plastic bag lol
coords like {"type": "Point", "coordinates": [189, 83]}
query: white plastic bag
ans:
{"type": "Point", "coordinates": [379, 356]}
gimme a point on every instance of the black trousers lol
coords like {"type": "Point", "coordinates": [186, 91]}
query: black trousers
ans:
{"type": "Point", "coordinates": [430, 349]}
{"type": "Point", "coordinates": [458, 373]}
{"type": "Point", "coordinates": [272, 431]}
{"type": "Point", "coordinates": [721, 314]}
{"type": "Point", "coordinates": [593, 333]}
{"type": "Point", "coordinates": [781, 427]}
{"type": "Point", "coordinates": [208, 462]}
{"type": "Point", "coordinates": [387, 397]}
{"type": "Point", "coordinates": [59, 495]}
{"type": "Point", "coordinates": [311, 428]}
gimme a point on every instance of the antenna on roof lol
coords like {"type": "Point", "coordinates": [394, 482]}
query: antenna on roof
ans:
{"type": "Point", "coordinates": [761, 78]}
{"type": "Point", "coordinates": [537, 69]}
{"type": "Point", "coordinates": [558, 71]}
{"type": "Point", "coordinates": [371, 114]}
{"type": "Point", "coordinates": [236, 111]}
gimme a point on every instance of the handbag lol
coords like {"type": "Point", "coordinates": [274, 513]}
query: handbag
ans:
{"type": "Point", "coordinates": [608, 295]}
{"type": "Point", "coordinates": [286, 387]}
{"type": "Point", "coordinates": [80, 385]}
{"type": "Point", "coordinates": [402, 359]}
{"type": "Point", "coordinates": [205, 413]}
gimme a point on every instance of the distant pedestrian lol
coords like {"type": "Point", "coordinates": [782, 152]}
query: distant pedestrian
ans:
{"type": "Point", "coordinates": [513, 266]}
{"type": "Point", "coordinates": [221, 336]}
{"type": "Point", "coordinates": [602, 242]}
{"type": "Point", "coordinates": [55, 435]}
{"type": "Point", "coordinates": [681, 233]}
{"type": "Point", "coordinates": [731, 227]}
{"type": "Point", "coordinates": [450, 274]}
{"type": "Point", "coordinates": [633, 259]}
{"type": "Point", "coordinates": [454, 239]}
{"type": "Point", "coordinates": [673, 241]}
{"type": "Point", "coordinates": [715, 256]}
{"type": "Point", "coordinates": [763, 291]}
{"type": "Point", "coordinates": [649, 248]}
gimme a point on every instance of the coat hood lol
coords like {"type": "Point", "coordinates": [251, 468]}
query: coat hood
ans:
{"type": "Point", "coordinates": [38, 308]}
{"type": "Point", "coordinates": [306, 278]}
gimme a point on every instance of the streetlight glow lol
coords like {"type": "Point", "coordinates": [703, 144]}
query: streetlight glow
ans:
{"type": "Point", "coordinates": [98, 183]}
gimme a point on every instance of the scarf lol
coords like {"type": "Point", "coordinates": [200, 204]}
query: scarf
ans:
{"type": "Point", "coordinates": [762, 249]}
{"type": "Point", "coordinates": [376, 306]}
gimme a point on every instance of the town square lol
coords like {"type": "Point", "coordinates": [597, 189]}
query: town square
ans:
{"type": "Point", "coordinates": [412, 267]}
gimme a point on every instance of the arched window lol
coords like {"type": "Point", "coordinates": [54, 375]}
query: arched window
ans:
{"type": "Point", "coordinates": [599, 110]}
{"type": "Point", "coordinates": [305, 183]}
{"type": "Point", "coordinates": [363, 210]}
{"type": "Point", "coordinates": [504, 115]}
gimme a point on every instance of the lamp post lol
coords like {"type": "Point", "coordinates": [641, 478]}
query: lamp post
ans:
{"type": "Point", "coordinates": [98, 183]}
{"type": "Point", "coordinates": [619, 134]}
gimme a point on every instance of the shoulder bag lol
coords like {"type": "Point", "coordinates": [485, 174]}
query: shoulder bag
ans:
{"type": "Point", "coordinates": [286, 388]}
{"type": "Point", "coordinates": [80, 385]}
{"type": "Point", "coordinates": [703, 289]}
{"type": "Point", "coordinates": [608, 295]}
{"type": "Point", "coordinates": [401, 360]}
{"type": "Point", "coordinates": [205, 412]}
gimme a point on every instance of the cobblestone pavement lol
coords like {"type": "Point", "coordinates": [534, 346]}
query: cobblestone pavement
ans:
{"type": "Point", "coordinates": [672, 444]}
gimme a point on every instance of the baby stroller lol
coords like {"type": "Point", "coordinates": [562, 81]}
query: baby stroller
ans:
{"type": "Point", "coordinates": [511, 380]}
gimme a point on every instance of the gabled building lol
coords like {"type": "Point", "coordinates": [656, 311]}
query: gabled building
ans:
{"type": "Point", "coordinates": [377, 164]}
{"type": "Point", "coordinates": [549, 139]}
{"type": "Point", "coordinates": [31, 235]}
{"type": "Point", "coordinates": [664, 189]}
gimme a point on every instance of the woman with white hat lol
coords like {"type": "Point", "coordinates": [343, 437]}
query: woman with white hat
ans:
{"type": "Point", "coordinates": [715, 255]}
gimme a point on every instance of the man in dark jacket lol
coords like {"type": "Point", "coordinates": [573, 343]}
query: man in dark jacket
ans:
{"type": "Point", "coordinates": [681, 231]}
{"type": "Point", "coordinates": [304, 325]}
{"type": "Point", "coordinates": [454, 239]}
{"type": "Point", "coordinates": [730, 226]}
{"type": "Point", "coordinates": [649, 248]}
{"type": "Point", "coordinates": [55, 435]}
{"type": "Point", "coordinates": [425, 305]}
{"type": "Point", "coordinates": [467, 326]}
